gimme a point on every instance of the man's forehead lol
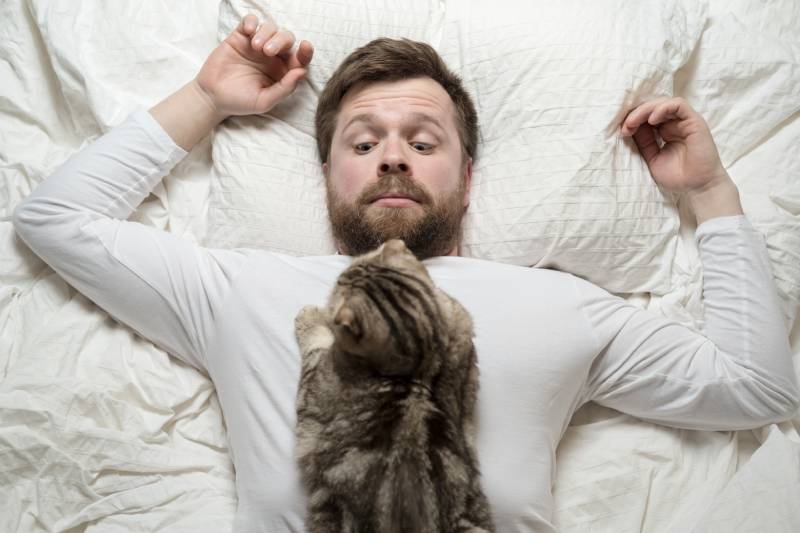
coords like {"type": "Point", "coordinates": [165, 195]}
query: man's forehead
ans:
{"type": "Point", "coordinates": [418, 98]}
{"type": "Point", "coordinates": [377, 121]}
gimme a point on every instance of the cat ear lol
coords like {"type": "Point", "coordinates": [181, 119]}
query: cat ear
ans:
{"type": "Point", "coordinates": [394, 246]}
{"type": "Point", "coordinates": [346, 319]}
{"type": "Point", "coordinates": [395, 253]}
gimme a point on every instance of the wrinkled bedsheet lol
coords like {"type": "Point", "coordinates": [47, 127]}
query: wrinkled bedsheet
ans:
{"type": "Point", "coordinates": [102, 431]}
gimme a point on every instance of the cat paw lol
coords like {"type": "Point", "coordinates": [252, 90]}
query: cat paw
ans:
{"type": "Point", "coordinates": [308, 317]}
{"type": "Point", "coordinates": [311, 329]}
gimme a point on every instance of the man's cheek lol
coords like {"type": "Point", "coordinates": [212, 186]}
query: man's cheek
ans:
{"type": "Point", "coordinates": [352, 185]}
{"type": "Point", "coordinates": [344, 190]}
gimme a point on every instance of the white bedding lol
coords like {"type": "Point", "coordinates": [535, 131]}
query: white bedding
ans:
{"type": "Point", "coordinates": [102, 431]}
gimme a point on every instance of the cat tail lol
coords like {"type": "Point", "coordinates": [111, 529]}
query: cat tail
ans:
{"type": "Point", "coordinates": [413, 509]}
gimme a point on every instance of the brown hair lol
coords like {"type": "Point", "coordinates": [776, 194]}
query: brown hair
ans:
{"type": "Point", "coordinates": [387, 59]}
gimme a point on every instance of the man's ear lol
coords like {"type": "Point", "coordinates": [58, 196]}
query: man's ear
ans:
{"type": "Point", "coordinates": [325, 169]}
{"type": "Point", "coordinates": [467, 181]}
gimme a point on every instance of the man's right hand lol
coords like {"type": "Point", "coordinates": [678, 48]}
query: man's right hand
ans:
{"type": "Point", "coordinates": [254, 68]}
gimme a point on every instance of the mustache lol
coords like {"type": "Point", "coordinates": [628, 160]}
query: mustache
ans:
{"type": "Point", "coordinates": [395, 184]}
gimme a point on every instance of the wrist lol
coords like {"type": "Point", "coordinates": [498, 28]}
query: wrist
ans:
{"type": "Point", "coordinates": [187, 115]}
{"type": "Point", "coordinates": [210, 110]}
{"type": "Point", "coordinates": [717, 198]}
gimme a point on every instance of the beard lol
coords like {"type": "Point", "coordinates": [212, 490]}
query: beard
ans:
{"type": "Point", "coordinates": [429, 229]}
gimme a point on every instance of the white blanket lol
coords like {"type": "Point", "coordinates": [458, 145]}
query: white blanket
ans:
{"type": "Point", "coordinates": [102, 431]}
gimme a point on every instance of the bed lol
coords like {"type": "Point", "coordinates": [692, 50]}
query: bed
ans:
{"type": "Point", "coordinates": [100, 430]}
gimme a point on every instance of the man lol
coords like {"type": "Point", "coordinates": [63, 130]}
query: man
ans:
{"type": "Point", "coordinates": [397, 157]}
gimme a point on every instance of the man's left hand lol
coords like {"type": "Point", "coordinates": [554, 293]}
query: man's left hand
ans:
{"type": "Point", "coordinates": [687, 161]}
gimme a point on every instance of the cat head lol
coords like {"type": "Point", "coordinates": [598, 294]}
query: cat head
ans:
{"type": "Point", "coordinates": [386, 313]}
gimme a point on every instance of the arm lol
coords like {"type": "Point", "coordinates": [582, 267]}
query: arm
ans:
{"type": "Point", "coordinates": [162, 286]}
{"type": "Point", "coordinates": [153, 281]}
{"type": "Point", "coordinates": [739, 374]}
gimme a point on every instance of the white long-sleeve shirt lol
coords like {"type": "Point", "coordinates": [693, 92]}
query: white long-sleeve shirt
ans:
{"type": "Point", "coordinates": [547, 341]}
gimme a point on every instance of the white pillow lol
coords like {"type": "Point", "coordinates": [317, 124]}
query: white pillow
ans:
{"type": "Point", "coordinates": [554, 185]}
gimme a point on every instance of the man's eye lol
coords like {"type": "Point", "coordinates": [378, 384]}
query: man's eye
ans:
{"type": "Point", "coordinates": [421, 147]}
{"type": "Point", "coordinates": [363, 147]}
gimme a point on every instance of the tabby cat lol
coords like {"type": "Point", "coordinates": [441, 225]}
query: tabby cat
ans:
{"type": "Point", "coordinates": [385, 406]}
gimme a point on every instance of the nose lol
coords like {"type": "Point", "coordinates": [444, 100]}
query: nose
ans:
{"type": "Point", "coordinates": [394, 160]}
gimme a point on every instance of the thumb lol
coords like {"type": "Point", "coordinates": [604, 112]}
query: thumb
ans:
{"type": "Point", "coordinates": [270, 96]}
{"type": "Point", "coordinates": [645, 139]}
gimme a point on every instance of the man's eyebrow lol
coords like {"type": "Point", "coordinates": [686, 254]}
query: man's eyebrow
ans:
{"type": "Point", "coordinates": [367, 118]}
{"type": "Point", "coordinates": [372, 120]}
{"type": "Point", "coordinates": [424, 117]}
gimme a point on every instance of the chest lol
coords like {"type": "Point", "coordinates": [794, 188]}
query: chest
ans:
{"type": "Point", "coordinates": [532, 356]}
{"type": "Point", "coordinates": [533, 351]}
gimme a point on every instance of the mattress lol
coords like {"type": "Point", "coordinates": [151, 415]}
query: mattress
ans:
{"type": "Point", "coordinates": [100, 430]}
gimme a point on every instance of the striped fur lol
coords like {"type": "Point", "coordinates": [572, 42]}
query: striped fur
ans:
{"type": "Point", "coordinates": [385, 406]}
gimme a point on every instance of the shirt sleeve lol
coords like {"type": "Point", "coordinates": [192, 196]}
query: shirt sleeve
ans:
{"type": "Point", "coordinates": [164, 287]}
{"type": "Point", "coordinates": [735, 374]}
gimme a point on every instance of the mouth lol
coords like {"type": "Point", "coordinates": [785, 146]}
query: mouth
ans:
{"type": "Point", "coordinates": [394, 200]}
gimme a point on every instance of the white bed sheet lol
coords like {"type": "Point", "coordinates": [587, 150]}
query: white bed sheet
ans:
{"type": "Point", "coordinates": [102, 431]}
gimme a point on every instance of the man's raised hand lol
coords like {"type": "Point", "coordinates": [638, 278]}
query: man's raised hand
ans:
{"type": "Point", "coordinates": [688, 161]}
{"type": "Point", "coordinates": [254, 68]}
{"type": "Point", "coordinates": [688, 158]}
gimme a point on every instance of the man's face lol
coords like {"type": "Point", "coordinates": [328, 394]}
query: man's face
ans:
{"type": "Point", "coordinates": [396, 170]}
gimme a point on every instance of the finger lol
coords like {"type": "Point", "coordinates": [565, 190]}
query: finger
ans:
{"type": "Point", "coordinates": [281, 42]}
{"type": "Point", "coordinates": [302, 56]}
{"type": "Point", "coordinates": [672, 109]}
{"type": "Point", "coordinates": [248, 24]}
{"type": "Point", "coordinates": [671, 131]}
{"type": "Point", "coordinates": [276, 92]}
{"type": "Point", "coordinates": [638, 116]}
{"type": "Point", "coordinates": [263, 34]}
{"type": "Point", "coordinates": [646, 141]}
